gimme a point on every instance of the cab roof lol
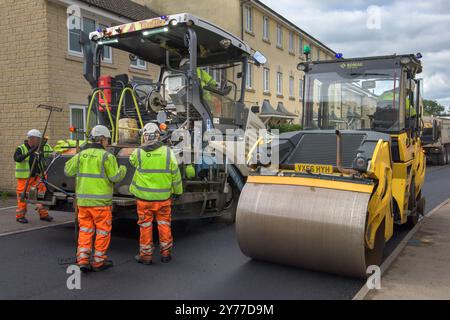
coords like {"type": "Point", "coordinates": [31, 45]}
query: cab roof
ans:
{"type": "Point", "coordinates": [150, 39]}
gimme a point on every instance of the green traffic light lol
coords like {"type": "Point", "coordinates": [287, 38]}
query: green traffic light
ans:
{"type": "Point", "coordinates": [306, 49]}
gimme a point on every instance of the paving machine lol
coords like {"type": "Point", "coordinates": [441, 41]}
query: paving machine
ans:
{"type": "Point", "coordinates": [343, 182]}
{"type": "Point", "coordinates": [181, 47]}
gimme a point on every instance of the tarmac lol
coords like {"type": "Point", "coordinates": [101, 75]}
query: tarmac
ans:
{"type": "Point", "coordinates": [422, 270]}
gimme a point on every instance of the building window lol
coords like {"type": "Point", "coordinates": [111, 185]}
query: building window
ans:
{"type": "Point", "coordinates": [139, 64]}
{"type": "Point", "coordinates": [300, 46]}
{"type": "Point", "coordinates": [248, 19]}
{"type": "Point", "coordinates": [279, 83]}
{"type": "Point", "coordinates": [291, 42]}
{"type": "Point", "coordinates": [279, 36]}
{"type": "Point", "coordinates": [249, 77]}
{"type": "Point", "coordinates": [291, 87]}
{"type": "Point", "coordinates": [266, 28]}
{"type": "Point", "coordinates": [318, 54]}
{"type": "Point", "coordinates": [87, 25]}
{"type": "Point", "coordinates": [300, 88]}
{"type": "Point", "coordinates": [266, 80]}
{"type": "Point", "coordinates": [107, 54]}
{"type": "Point", "coordinates": [78, 118]}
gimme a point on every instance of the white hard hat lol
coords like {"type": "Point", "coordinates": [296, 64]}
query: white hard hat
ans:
{"type": "Point", "coordinates": [100, 131]}
{"type": "Point", "coordinates": [150, 128]}
{"type": "Point", "coordinates": [34, 133]}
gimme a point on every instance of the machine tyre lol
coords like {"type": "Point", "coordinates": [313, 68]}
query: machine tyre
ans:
{"type": "Point", "coordinates": [228, 215]}
{"type": "Point", "coordinates": [441, 158]}
{"type": "Point", "coordinates": [375, 256]}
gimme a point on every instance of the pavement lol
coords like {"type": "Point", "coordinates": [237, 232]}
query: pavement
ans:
{"type": "Point", "coordinates": [207, 264]}
{"type": "Point", "coordinates": [422, 270]}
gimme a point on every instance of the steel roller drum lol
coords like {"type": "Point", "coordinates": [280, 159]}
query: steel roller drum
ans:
{"type": "Point", "coordinates": [314, 228]}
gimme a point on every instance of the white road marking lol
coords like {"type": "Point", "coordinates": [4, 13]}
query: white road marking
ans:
{"type": "Point", "coordinates": [8, 208]}
{"type": "Point", "coordinates": [361, 294]}
{"type": "Point", "coordinates": [36, 228]}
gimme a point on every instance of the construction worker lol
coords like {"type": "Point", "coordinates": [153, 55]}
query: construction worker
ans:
{"type": "Point", "coordinates": [206, 80]}
{"type": "Point", "coordinates": [96, 171]}
{"type": "Point", "coordinates": [24, 157]}
{"type": "Point", "coordinates": [156, 179]}
{"type": "Point", "coordinates": [389, 96]}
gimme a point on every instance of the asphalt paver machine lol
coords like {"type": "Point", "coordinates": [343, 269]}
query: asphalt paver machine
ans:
{"type": "Point", "coordinates": [179, 100]}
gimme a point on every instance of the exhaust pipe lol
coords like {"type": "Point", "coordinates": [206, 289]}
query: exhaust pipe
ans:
{"type": "Point", "coordinates": [339, 165]}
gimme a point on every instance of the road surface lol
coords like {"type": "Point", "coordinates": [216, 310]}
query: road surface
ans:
{"type": "Point", "coordinates": [207, 264]}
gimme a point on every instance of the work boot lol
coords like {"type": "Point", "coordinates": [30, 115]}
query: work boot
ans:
{"type": "Point", "coordinates": [22, 220]}
{"type": "Point", "coordinates": [85, 267]}
{"type": "Point", "coordinates": [142, 260]}
{"type": "Point", "coordinates": [106, 265]}
{"type": "Point", "coordinates": [47, 218]}
{"type": "Point", "coordinates": [166, 259]}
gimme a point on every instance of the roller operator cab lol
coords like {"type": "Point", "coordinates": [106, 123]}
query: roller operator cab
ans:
{"type": "Point", "coordinates": [341, 184]}
{"type": "Point", "coordinates": [198, 89]}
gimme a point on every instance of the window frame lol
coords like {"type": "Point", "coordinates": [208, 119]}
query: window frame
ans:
{"type": "Point", "coordinates": [98, 23]}
{"type": "Point", "coordinates": [291, 42]}
{"type": "Point", "coordinates": [291, 87]}
{"type": "Point", "coordinates": [279, 36]}
{"type": "Point", "coordinates": [266, 80]}
{"type": "Point", "coordinates": [279, 83]}
{"type": "Point", "coordinates": [300, 46]}
{"type": "Point", "coordinates": [77, 107]}
{"type": "Point", "coordinates": [143, 67]}
{"type": "Point", "coordinates": [248, 18]}
{"type": "Point", "coordinates": [249, 77]}
{"type": "Point", "coordinates": [300, 88]}
{"type": "Point", "coordinates": [266, 28]}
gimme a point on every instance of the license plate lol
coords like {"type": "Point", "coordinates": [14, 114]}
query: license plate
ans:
{"type": "Point", "coordinates": [313, 168]}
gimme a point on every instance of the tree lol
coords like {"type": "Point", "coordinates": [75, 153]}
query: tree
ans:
{"type": "Point", "coordinates": [432, 108]}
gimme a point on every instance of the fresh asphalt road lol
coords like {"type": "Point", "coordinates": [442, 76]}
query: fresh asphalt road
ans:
{"type": "Point", "coordinates": [207, 265]}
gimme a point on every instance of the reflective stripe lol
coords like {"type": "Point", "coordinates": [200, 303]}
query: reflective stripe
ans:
{"type": "Point", "coordinates": [22, 170]}
{"type": "Point", "coordinates": [91, 175]}
{"type": "Point", "coordinates": [145, 224]}
{"type": "Point", "coordinates": [150, 190]}
{"type": "Point", "coordinates": [94, 196]}
{"type": "Point", "coordinates": [146, 247]}
{"type": "Point", "coordinates": [174, 171]}
{"type": "Point", "coordinates": [83, 255]}
{"type": "Point", "coordinates": [87, 230]}
{"type": "Point", "coordinates": [116, 177]}
{"type": "Point", "coordinates": [99, 253]}
{"type": "Point", "coordinates": [103, 232]}
{"type": "Point", "coordinates": [153, 171]}
{"type": "Point", "coordinates": [164, 222]}
{"type": "Point", "coordinates": [176, 183]}
{"type": "Point", "coordinates": [167, 158]}
{"type": "Point", "coordinates": [165, 245]}
{"type": "Point", "coordinates": [84, 250]}
{"type": "Point", "coordinates": [97, 259]}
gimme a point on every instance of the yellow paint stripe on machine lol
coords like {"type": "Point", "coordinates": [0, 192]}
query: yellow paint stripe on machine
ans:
{"type": "Point", "coordinates": [311, 182]}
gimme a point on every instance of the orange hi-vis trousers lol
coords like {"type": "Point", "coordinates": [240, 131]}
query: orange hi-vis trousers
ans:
{"type": "Point", "coordinates": [161, 211]}
{"type": "Point", "coordinates": [94, 220]}
{"type": "Point", "coordinates": [22, 205]}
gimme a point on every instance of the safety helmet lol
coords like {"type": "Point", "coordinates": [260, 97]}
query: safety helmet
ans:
{"type": "Point", "coordinates": [34, 133]}
{"type": "Point", "coordinates": [151, 128]}
{"type": "Point", "coordinates": [100, 131]}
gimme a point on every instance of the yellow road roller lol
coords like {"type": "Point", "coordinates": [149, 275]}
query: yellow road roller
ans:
{"type": "Point", "coordinates": [357, 168]}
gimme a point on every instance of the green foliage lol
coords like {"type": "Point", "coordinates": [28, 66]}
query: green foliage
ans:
{"type": "Point", "coordinates": [4, 196]}
{"type": "Point", "coordinates": [432, 108]}
{"type": "Point", "coordinates": [286, 127]}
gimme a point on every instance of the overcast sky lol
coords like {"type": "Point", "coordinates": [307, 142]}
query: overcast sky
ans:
{"type": "Point", "coordinates": [404, 26]}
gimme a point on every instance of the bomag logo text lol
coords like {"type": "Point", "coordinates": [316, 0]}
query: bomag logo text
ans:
{"type": "Point", "coordinates": [351, 65]}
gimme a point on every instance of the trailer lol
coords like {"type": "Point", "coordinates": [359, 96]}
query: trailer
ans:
{"type": "Point", "coordinates": [436, 140]}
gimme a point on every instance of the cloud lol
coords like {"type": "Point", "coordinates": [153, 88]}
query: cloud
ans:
{"type": "Point", "coordinates": [405, 27]}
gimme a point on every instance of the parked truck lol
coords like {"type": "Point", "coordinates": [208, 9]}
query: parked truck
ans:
{"type": "Point", "coordinates": [436, 139]}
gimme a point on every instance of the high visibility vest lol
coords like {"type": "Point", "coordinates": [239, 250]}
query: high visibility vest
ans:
{"type": "Point", "coordinates": [389, 96]}
{"type": "Point", "coordinates": [205, 80]}
{"type": "Point", "coordinates": [157, 176]}
{"type": "Point", "coordinates": [23, 168]}
{"type": "Point", "coordinates": [96, 172]}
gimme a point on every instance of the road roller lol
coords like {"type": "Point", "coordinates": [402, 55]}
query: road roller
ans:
{"type": "Point", "coordinates": [340, 185]}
